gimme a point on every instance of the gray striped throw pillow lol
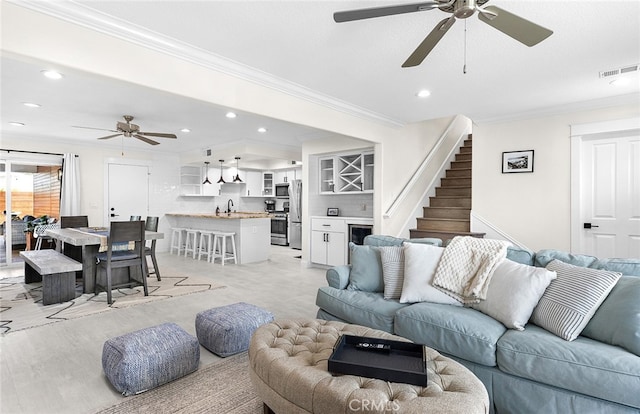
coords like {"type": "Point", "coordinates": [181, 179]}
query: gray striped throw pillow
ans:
{"type": "Point", "coordinates": [571, 300]}
{"type": "Point", "coordinates": [392, 258]}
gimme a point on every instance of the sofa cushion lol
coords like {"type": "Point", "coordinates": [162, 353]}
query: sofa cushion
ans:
{"type": "Point", "coordinates": [420, 262]}
{"type": "Point", "coordinates": [617, 321]}
{"type": "Point", "coordinates": [382, 240]}
{"type": "Point", "coordinates": [514, 292]}
{"type": "Point", "coordinates": [521, 255]}
{"type": "Point", "coordinates": [544, 257]}
{"type": "Point", "coordinates": [392, 258]}
{"type": "Point", "coordinates": [572, 298]}
{"type": "Point", "coordinates": [425, 240]}
{"type": "Point", "coordinates": [584, 365]}
{"type": "Point", "coordinates": [366, 269]}
{"type": "Point", "coordinates": [361, 308]}
{"type": "Point", "coordinates": [628, 267]}
{"type": "Point", "coordinates": [338, 276]}
{"type": "Point", "coordinates": [455, 330]}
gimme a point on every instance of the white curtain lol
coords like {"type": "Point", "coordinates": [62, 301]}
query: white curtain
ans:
{"type": "Point", "coordinates": [70, 194]}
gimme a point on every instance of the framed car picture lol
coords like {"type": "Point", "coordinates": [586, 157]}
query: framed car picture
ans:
{"type": "Point", "coordinates": [517, 162]}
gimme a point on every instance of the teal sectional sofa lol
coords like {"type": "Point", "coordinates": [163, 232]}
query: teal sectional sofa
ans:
{"type": "Point", "coordinates": [524, 371]}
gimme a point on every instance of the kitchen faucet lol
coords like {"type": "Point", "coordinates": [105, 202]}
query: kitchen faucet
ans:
{"type": "Point", "coordinates": [229, 204]}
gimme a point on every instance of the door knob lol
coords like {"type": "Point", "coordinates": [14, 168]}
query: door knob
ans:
{"type": "Point", "coordinates": [589, 225]}
{"type": "Point", "coordinates": [115, 215]}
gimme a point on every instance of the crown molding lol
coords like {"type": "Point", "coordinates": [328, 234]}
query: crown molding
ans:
{"type": "Point", "coordinates": [593, 104]}
{"type": "Point", "coordinates": [92, 19]}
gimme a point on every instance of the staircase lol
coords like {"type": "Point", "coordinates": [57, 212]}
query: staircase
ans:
{"type": "Point", "coordinates": [449, 212]}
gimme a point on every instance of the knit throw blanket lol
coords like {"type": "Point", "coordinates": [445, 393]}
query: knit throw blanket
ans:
{"type": "Point", "coordinates": [466, 267]}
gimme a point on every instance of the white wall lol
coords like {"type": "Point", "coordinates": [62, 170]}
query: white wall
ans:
{"type": "Point", "coordinates": [531, 208]}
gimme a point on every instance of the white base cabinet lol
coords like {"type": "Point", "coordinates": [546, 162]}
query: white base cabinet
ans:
{"type": "Point", "coordinates": [328, 241]}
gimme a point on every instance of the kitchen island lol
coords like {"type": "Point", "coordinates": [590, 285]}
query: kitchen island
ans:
{"type": "Point", "coordinates": [252, 229]}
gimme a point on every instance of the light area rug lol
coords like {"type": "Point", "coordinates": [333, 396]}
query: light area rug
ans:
{"type": "Point", "coordinates": [222, 387]}
{"type": "Point", "coordinates": [21, 304]}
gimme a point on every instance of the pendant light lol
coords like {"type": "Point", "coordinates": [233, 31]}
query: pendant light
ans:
{"type": "Point", "coordinates": [237, 179]}
{"type": "Point", "coordinates": [206, 179]}
{"type": "Point", "coordinates": [221, 180]}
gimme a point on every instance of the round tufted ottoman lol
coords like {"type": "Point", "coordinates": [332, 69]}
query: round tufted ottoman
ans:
{"type": "Point", "coordinates": [288, 368]}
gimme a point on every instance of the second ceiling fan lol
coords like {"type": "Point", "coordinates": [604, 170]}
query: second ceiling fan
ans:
{"type": "Point", "coordinates": [522, 30]}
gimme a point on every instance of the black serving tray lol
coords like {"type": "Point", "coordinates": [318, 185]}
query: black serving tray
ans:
{"type": "Point", "coordinates": [404, 362]}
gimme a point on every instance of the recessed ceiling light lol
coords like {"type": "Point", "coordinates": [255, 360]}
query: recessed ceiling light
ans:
{"type": "Point", "coordinates": [185, 130]}
{"type": "Point", "coordinates": [231, 115]}
{"type": "Point", "coordinates": [18, 124]}
{"type": "Point", "coordinates": [620, 82]}
{"type": "Point", "coordinates": [262, 130]}
{"type": "Point", "coordinates": [31, 104]}
{"type": "Point", "coordinates": [423, 93]}
{"type": "Point", "coordinates": [52, 74]}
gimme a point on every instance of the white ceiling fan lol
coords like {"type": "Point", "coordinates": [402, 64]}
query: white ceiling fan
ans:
{"type": "Point", "coordinates": [522, 30]}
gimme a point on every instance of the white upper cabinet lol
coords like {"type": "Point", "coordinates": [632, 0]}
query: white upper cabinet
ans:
{"type": "Point", "coordinates": [347, 173]}
{"type": "Point", "coordinates": [191, 182]}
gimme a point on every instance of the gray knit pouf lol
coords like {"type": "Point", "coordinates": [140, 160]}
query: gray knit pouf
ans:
{"type": "Point", "coordinates": [144, 359]}
{"type": "Point", "coordinates": [227, 330]}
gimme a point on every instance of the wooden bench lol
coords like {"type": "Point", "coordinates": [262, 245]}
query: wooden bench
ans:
{"type": "Point", "coordinates": [56, 271]}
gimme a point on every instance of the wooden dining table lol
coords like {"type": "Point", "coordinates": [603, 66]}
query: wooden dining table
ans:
{"type": "Point", "coordinates": [92, 240]}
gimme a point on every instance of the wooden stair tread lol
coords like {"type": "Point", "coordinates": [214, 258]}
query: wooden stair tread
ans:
{"type": "Point", "coordinates": [447, 233]}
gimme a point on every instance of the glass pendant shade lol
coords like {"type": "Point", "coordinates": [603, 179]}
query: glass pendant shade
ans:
{"type": "Point", "coordinates": [206, 179]}
{"type": "Point", "coordinates": [221, 180]}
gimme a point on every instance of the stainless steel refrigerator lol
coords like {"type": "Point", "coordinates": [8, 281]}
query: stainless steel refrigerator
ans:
{"type": "Point", "coordinates": [295, 214]}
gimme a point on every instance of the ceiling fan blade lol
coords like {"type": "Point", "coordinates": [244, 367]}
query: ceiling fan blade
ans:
{"type": "Point", "coordinates": [110, 136]}
{"type": "Point", "coordinates": [99, 129]}
{"type": "Point", "coordinates": [145, 139]}
{"type": "Point", "coordinates": [429, 42]}
{"type": "Point", "coordinates": [360, 14]}
{"type": "Point", "coordinates": [157, 134]}
{"type": "Point", "coordinates": [522, 30]}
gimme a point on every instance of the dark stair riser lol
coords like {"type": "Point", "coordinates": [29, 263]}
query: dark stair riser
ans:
{"type": "Point", "coordinates": [453, 191]}
{"type": "Point", "coordinates": [443, 224]}
{"type": "Point", "coordinates": [458, 173]}
{"type": "Point", "coordinates": [460, 164]}
{"type": "Point", "coordinates": [446, 212]}
{"type": "Point", "coordinates": [450, 202]}
{"type": "Point", "coordinates": [455, 182]}
{"type": "Point", "coordinates": [444, 236]}
{"type": "Point", "coordinates": [463, 157]}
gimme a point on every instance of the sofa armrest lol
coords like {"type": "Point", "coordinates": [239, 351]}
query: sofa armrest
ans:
{"type": "Point", "coordinates": [338, 276]}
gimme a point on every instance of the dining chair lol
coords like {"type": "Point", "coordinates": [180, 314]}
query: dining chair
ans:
{"type": "Point", "coordinates": [121, 232]}
{"type": "Point", "coordinates": [38, 233]}
{"type": "Point", "coordinates": [151, 224]}
{"type": "Point", "coordinates": [74, 252]}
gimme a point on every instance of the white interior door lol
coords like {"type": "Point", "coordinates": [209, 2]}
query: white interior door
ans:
{"type": "Point", "coordinates": [128, 192]}
{"type": "Point", "coordinates": [610, 196]}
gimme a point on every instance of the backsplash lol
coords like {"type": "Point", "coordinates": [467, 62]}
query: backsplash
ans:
{"type": "Point", "coordinates": [350, 205]}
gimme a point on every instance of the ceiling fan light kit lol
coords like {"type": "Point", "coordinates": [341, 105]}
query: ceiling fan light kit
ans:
{"type": "Point", "coordinates": [520, 29]}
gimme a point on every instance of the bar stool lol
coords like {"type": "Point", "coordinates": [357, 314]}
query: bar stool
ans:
{"type": "Point", "coordinates": [205, 246]}
{"type": "Point", "coordinates": [176, 239]}
{"type": "Point", "coordinates": [220, 240]}
{"type": "Point", "coordinates": [191, 243]}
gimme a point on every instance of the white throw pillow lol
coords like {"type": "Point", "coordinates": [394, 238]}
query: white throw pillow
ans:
{"type": "Point", "coordinates": [572, 299]}
{"type": "Point", "coordinates": [392, 258]}
{"type": "Point", "coordinates": [514, 292]}
{"type": "Point", "coordinates": [420, 262]}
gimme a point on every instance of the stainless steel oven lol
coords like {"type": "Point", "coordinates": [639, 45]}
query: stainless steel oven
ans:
{"type": "Point", "coordinates": [279, 229]}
